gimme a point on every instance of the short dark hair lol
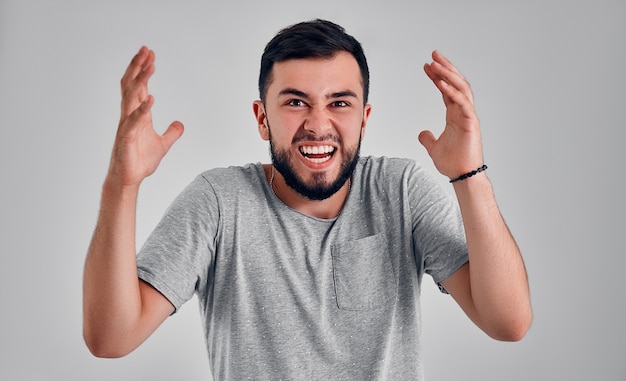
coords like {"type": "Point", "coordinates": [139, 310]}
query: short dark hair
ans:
{"type": "Point", "coordinates": [311, 39]}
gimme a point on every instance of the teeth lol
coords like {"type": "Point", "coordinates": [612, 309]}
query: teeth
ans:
{"type": "Point", "coordinates": [318, 161]}
{"type": "Point", "coordinates": [316, 150]}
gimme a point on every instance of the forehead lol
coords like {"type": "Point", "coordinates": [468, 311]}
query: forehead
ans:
{"type": "Point", "coordinates": [317, 76]}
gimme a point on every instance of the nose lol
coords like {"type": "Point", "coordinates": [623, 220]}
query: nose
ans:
{"type": "Point", "coordinates": [318, 121]}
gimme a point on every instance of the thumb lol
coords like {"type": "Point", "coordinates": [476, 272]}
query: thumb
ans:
{"type": "Point", "coordinates": [427, 139]}
{"type": "Point", "coordinates": [172, 134]}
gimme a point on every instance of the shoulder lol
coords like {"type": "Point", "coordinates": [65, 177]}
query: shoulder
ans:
{"type": "Point", "coordinates": [216, 183]}
{"type": "Point", "coordinates": [389, 168]}
{"type": "Point", "coordinates": [232, 178]}
{"type": "Point", "coordinates": [233, 173]}
{"type": "Point", "coordinates": [398, 176]}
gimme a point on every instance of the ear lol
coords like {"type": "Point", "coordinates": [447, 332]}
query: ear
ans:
{"type": "Point", "coordinates": [261, 119]}
{"type": "Point", "coordinates": [366, 114]}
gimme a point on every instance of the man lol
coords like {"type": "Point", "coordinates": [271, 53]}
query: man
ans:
{"type": "Point", "coordinates": [309, 267]}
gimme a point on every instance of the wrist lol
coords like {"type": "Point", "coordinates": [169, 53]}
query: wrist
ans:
{"type": "Point", "coordinates": [469, 174]}
{"type": "Point", "coordinates": [114, 187]}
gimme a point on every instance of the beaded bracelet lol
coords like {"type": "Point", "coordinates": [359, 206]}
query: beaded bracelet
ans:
{"type": "Point", "coordinates": [469, 174]}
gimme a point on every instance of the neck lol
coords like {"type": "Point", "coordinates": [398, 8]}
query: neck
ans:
{"type": "Point", "coordinates": [325, 209]}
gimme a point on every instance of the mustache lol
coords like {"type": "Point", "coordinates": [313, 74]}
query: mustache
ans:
{"type": "Point", "coordinates": [306, 136]}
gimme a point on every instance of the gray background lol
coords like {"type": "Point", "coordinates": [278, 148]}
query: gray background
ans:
{"type": "Point", "coordinates": [549, 80]}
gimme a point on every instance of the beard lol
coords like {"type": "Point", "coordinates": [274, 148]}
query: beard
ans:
{"type": "Point", "coordinates": [320, 188]}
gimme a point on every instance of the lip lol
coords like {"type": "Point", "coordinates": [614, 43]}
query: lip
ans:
{"type": "Point", "coordinates": [317, 156]}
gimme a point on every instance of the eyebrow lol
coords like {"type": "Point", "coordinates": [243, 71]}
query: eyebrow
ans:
{"type": "Point", "coordinates": [302, 94]}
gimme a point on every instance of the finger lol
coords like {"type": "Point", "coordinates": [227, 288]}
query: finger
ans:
{"type": "Point", "coordinates": [453, 95]}
{"type": "Point", "coordinates": [430, 73]}
{"type": "Point", "coordinates": [139, 117]}
{"type": "Point", "coordinates": [441, 59]}
{"type": "Point", "coordinates": [172, 134]}
{"type": "Point", "coordinates": [450, 92]}
{"type": "Point", "coordinates": [436, 79]}
{"type": "Point", "coordinates": [136, 91]}
{"type": "Point", "coordinates": [427, 139]}
{"type": "Point", "coordinates": [452, 78]}
{"type": "Point", "coordinates": [140, 61]}
{"type": "Point", "coordinates": [147, 69]}
{"type": "Point", "coordinates": [135, 82]}
{"type": "Point", "coordinates": [443, 68]}
{"type": "Point", "coordinates": [450, 75]}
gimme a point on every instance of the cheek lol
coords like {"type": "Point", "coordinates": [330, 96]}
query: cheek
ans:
{"type": "Point", "coordinates": [355, 131]}
{"type": "Point", "coordinates": [290, 122]}
{"type": "Point", "coordinates": [284, 129]}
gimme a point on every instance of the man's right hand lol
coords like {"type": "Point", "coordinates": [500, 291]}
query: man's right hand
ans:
{"type": "Point", "coordinates": [138, 149]}
{"type": "Point", "coordinates": [119, 310]}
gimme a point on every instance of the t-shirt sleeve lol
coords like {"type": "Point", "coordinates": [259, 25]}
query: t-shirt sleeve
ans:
{"type": "Point", "coordinates": [438, 233]}
{"type": "Point", "coordinates": [179, 252]}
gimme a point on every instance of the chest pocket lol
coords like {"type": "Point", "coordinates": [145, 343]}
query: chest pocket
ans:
{"type": "Point", "coordinates": [363, 274]}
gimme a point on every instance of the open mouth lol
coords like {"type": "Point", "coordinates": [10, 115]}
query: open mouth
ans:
{"type": "Point", "coordinates": [317, 154]}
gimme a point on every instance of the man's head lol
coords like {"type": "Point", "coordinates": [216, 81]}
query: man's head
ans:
{"type": "Point", "coordinates": [313, 111]}
{"type": "Point", "coordinates": [310, 39]}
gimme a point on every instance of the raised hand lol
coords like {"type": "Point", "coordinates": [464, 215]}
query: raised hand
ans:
{"type": "Point", "coordinates": [138, 149]}
{"type": "Point", "coordinates": [120, 312]}
{"type": "Point", "coordinates": [458, 149]}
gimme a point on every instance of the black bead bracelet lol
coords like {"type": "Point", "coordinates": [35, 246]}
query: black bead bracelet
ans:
{"type": "Point", "coordinates": [469, 174]}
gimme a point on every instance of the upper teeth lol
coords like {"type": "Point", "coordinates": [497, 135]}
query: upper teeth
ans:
{"type": "Point", "coordinates": [315, 150]}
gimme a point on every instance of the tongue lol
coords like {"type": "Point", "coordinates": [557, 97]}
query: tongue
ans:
{"type": "Point", "coordinates": [317, 155]}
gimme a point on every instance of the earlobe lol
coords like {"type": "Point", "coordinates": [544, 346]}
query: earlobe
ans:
{"type": "Point", "coordinates": [261, 118]}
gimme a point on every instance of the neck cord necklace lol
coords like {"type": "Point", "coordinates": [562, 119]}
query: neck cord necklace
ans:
{"type": "Point", "coordinates": [273, 191]}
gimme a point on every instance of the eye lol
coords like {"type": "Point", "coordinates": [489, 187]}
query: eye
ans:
{"type": "Point", "coordinates": [339, 104]}
{"type": "Point", "coordinates": [296, 103]}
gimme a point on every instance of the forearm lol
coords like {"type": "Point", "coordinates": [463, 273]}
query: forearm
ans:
{"type": "Point", "coordinates": [497, 275]}
{"type": "Point", "coordinates": [112, 300]}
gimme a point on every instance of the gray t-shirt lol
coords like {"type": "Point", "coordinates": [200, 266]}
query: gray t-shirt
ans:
{"type": "Point", "coordinates": [286, 296]}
